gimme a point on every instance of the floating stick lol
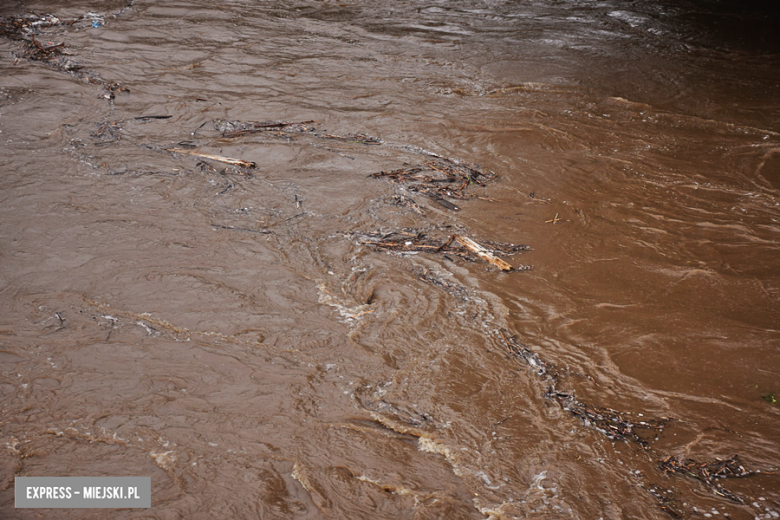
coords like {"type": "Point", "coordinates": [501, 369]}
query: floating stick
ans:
{"type": "Point", "coordinates": [483, 253]}
{"type": "Point", "coordinates": [228, 160]}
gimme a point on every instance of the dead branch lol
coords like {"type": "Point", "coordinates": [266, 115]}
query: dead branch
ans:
{"type": "Point", "coordinates": [227, 160]}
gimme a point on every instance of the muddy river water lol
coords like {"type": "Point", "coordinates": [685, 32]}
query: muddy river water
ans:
{"type": "Point", "coordinates": [237, 335]}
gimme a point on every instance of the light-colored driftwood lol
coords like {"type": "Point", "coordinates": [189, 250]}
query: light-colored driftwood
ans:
{"type": "Point", "coordinates": [228, 160]}
{"type": "Point", "coordinates": [483, 253]}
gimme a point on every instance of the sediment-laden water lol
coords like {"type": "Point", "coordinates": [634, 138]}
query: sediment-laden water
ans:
{"type": "Point", "coordinates": [239, 335]}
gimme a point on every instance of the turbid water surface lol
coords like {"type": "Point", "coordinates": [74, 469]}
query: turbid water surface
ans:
{"type": "Point", "coordinates": [230, 333]}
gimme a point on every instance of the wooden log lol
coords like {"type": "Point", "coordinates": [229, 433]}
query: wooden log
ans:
{"type": "Point", "coordinates": [483, 253]}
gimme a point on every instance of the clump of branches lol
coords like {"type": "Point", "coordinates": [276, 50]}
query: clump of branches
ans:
{"type": "Point", "coordinates": [22, 27]}
{"type": "Point", "coordinates": [709, 472]}
{"type": "Point", "coordinates": [458, 245]}
{"type": "Point", "coordinates": [439, 179]}
{"type": "Point", "coordinates": [26, 28]}
{"type": "Point", "coordinates": [612, 423]}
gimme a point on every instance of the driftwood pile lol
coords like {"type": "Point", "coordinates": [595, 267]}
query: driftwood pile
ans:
{"type": "Point", "coordinates": [709, 472]}
{"type": "Point", "coordinates": [439, 179]}
{"type": "Point", "coordinates": [26, 28]}
{"type": "Point", "coordinates": [458, 245]}
{"type": "Point", "coordinates": [615, 425]}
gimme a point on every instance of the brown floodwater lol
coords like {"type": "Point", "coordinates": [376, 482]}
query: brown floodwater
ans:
{"type": "Point", "coordinates": [223, 331]}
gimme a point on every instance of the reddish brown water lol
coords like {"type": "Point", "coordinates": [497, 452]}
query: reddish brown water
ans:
{"type": "Point", "coordinates": [146, 328]}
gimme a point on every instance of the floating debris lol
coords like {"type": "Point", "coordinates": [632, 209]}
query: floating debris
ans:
{"type": "Point", "coordinates": [610, 422]}
{"type": "Point", "coordinates": [147, 119]}
{"type": "Point", "coordinates": [24, 29]}
{"type": "Point", "coordinates": [439, 179]}
{"type": "Point", "coordinates": [231, 129]}
{"type": "Point", "coordinates": [419, 242]}
{"type": "Point", "coordinates": [228, 160]}
{"type": "Point", "coordinates": [534, 198]}
{"type": "Point", "coordinates": [429, 276]}
{"type": "Point", "coordinates": [36, 51]}
{"type": "Point", "coordinates": [353, 138]}
{"type": "Point", "coordinates": [619, 426]}
{"type": "Point", "coordinates": [239, 128]}
{"type": "Point", "coordinates": [108, 132]}
{"type": "Point", "coordinates": [553, 220]}
{"type": "Point", "coordinates": [516, 349]}
{"type": "Point", "coordinates": [260, 231]}
{"type": "Point", "coordinates": [403, 200]}
{"type": "Point", "coordinates": [483, 253]}
{"type": "Point", "coordinates": [444, 203]}
{"type": "Point", "coordinates": [707, 471]}
{"type": "Point", "coordinates": [110, 89]}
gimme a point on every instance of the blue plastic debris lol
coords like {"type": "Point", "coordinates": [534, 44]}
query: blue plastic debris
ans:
{"type": "Point", "coordinates": [95, 23]}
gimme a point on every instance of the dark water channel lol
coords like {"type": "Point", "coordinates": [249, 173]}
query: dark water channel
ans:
{"type": "Point", "coordinates": [220, 330]}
